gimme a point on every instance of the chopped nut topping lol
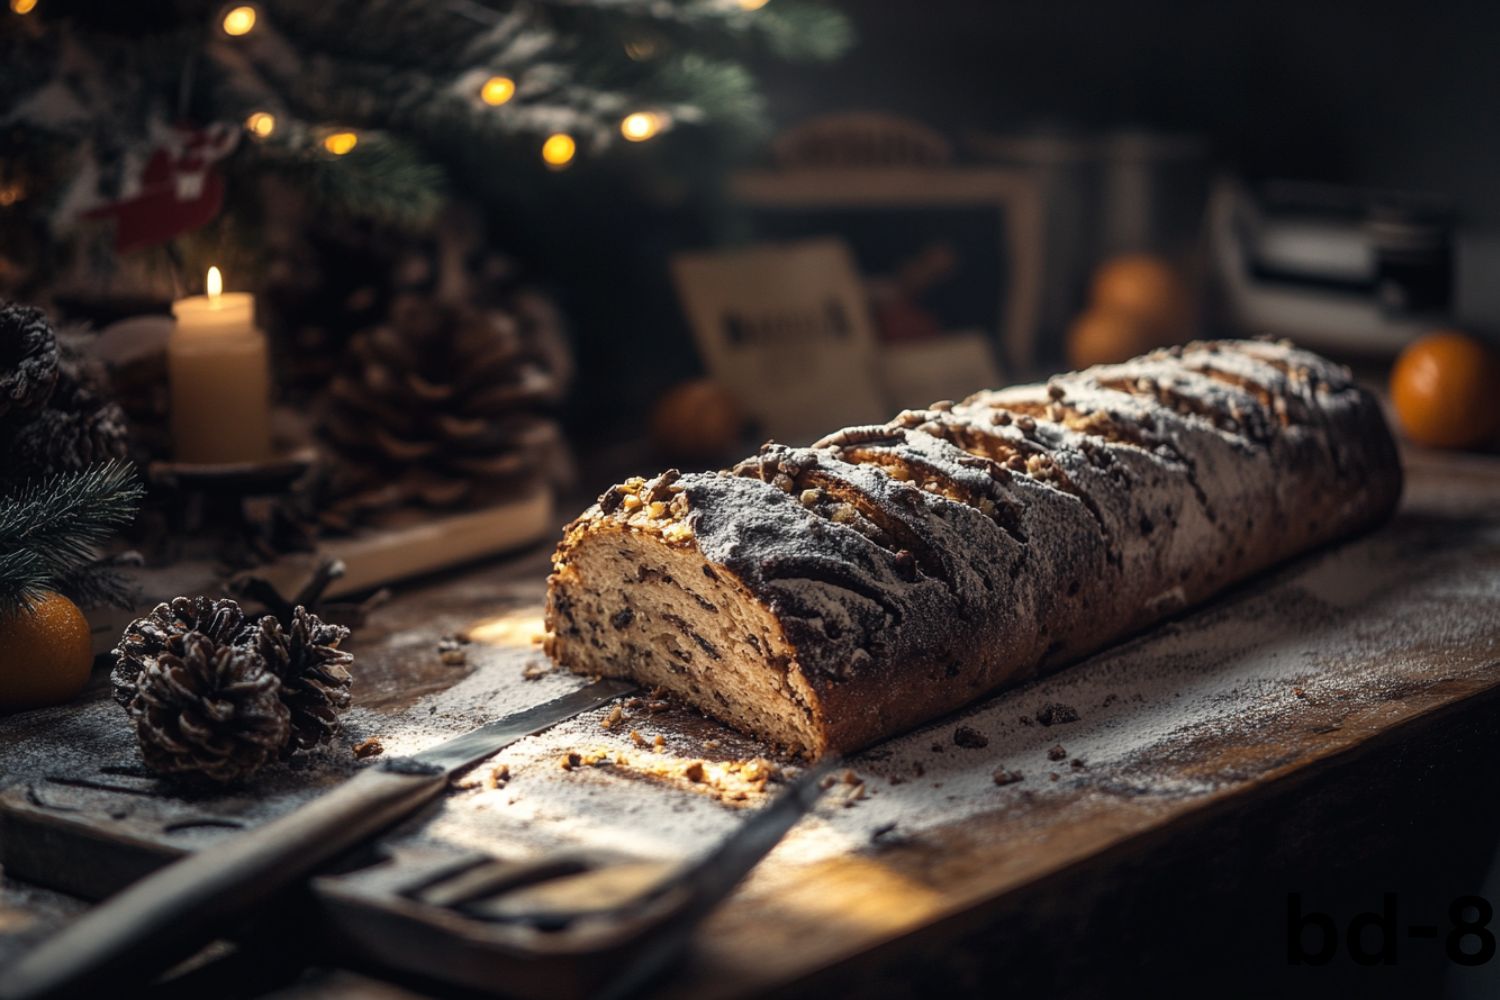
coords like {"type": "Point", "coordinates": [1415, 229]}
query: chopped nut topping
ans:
{"type": "Point", "coordinates": [631, 502]}
{"type": "Point", "coordinates": [365, 749]}
{"type": "Point", "coordinates": [810, 497]}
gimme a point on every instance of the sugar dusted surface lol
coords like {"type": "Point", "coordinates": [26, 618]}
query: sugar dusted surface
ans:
{"type": "Point", "coordinates": [1364, 624]}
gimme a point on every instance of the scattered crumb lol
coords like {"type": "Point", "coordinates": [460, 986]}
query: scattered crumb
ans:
{"type": "Point", "coordinates": [918, 769]}
{"type": "Point", "coordinates": [1109, 700]}
{"type": "Point", "coordinates": [1299, 693]}
{"type": "Point", "coordinates": [1026, 720]}
{"type": "Point", "coordinates": [1005, 777]}
{"type": "Point", "coordinates": [365, 749]}
{"type": "Point", "coordinates": [710, 744]}
{"type": "Point", "coordinates": [451, 651]}
{"type": "Point", "coordinates": [498, 777]}
{"type": "Point", "coordinates": [882, 830]}
{"type": "Point", "coordinates": [570, 760]}
{"type": "Point", "coordinates": [637, 738]}
{"type": "Point", "coordinates": [536, 669]}
{"type": "Point", "coordinates": [1057, 753]}
{"type": "Point", "coordinates": [937, 748]}
{"type": "Point", "coordinates": [614, 718]}
{"type": "Point", "coordinates": [694, 771]}
{"type": "Point", "coordinates": [1056, 713]}
{"type": "Point", "coordinates": [970, 738]}
{"type": "Point", "coordinates": [659, 742]}
{"type": "Point", "coordinates": [635, 704]}
{"type": "Point", "coordinates": [1052, 775]}
{"type": "Point", "coordinates": [1077, 764]}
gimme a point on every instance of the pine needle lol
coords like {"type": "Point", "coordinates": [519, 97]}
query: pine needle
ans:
{"type": "Point", "coordinates": [51, 529]}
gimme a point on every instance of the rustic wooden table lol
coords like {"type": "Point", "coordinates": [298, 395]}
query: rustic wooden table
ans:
{"type": "Point", "coordinates": [1285, 758]}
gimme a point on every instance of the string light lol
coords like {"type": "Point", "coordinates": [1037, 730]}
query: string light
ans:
{"type": "Point", "coordinates": [261, 124]}
{"type": "Point", "coordinates": [640, 126]}
{"type": "Point", "coordinates": [239, 20]}
{"type": "Point", "coordinates": [339, 143]}
{"type": "Point", "coordinates": [558, 150]}
{"type": "Point", "coordinates": [22, 6]}
{"type": "Point", "coordinates": [497, 90]}
{"type": "Point", "coordinates": [753, 4]}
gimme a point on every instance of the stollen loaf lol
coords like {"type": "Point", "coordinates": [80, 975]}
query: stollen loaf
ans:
{"type": "Point", "coordinates": [827, 597]}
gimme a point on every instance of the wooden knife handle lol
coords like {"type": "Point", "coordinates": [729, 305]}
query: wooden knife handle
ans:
{"type": "Point", "coordinates": [169, 914]}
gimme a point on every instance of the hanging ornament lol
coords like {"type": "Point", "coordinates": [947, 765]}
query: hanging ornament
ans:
{"type": "Point", "coordinates": [179, 189]}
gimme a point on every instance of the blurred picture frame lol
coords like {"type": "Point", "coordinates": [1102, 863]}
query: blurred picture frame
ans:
{"type": "Point", "coordinates": [984, 225]}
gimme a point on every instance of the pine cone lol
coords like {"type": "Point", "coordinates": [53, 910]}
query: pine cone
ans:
{"type": "Point", "coordinates": [78, 427]}
{"type": "Point", "coordinates": [165, 630]}
{"type": "Point", "coordinates": [447, 405]}
{"type": "Point", "coordinates": [209, 709]}
{"type": "Point", "coordinates": [314, 683]}
{"type": "Point", "coordinates": [28, 359]}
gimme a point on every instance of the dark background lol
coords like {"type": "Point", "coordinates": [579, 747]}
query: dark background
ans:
{"type": "Point", "coordinates": [1372, 93]}
{"type": "Point", "coordinates": [1398, 95]}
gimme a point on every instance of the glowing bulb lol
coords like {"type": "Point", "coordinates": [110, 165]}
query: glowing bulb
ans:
{"type": "Point", "coordinates": [558, 150]}
{"type": "Point", "coordinates": [340, 143]}
{"type": "Point", "coordinates": [497, 90]}
{"type": "Point", "coordinates": [261, 124]}
{"type": "Point", "coordinates": [214, 283]}
{"type": "Point", "coordinates": [753, 4]}
{"type": "Point", "coordinates": [22, 6]}
{"type": "Point", "coordinates": [239, 20]}
{"type": "Point", "coordinates": [640, 126]}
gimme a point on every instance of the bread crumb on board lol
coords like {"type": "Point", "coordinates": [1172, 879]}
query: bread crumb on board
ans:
{"type": "Point", "coordinates": [365, 749]}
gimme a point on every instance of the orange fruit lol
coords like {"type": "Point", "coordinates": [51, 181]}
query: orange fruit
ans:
{"type": "Point", "coordinates": [46, 652]}
{"type": "Point", "coordinates": [699, 420]}
{"type": "Point", "coordinates": [1101, 336]}
{"type": "Point", "coordinates": [1446, 390]}
{"type": "Point", "coordinates": [1148, 288]}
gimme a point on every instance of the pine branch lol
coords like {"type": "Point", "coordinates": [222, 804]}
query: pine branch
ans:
{"type": "Point", "coordinates": [52, 528]}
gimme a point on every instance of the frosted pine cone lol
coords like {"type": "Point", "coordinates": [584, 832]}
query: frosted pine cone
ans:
{"type": "Point", "coordinates": [448, 406]}
{"type": "Point", "coordinates": [165, 630]}
{"type": "Point", "coordinates": [209, 709]}
{"type": "Point", "coordinates": [311, 667]}
{"type": "Point", "coordinates": [28, 359]}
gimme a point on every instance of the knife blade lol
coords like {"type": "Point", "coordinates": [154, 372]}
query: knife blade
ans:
{"type": "Point", "coordinates": [172, 912]}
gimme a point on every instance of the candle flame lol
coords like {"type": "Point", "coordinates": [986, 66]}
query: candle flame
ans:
{"type": "Point", "coordinates": [215, 283]}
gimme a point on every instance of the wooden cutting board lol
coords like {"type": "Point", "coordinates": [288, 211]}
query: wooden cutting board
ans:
{"type": "Point", "coordinates": [1233, 736]}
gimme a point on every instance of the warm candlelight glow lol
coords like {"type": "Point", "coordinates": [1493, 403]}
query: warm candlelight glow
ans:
{"type": "Point", "coordinates": [558, 150]}
{"type": "Point", "coordinates": [497, 90]}
{"type": "Point", "coordinates": [214, 283]}
{"type": "Point", "coordinates": [23, 6]}
{"type": "Point", "coordinates": [340, 143]}
{"type": "Point", "coordinates": [640, 126]}
{"type": "Point", "coordinates": [239, 20]}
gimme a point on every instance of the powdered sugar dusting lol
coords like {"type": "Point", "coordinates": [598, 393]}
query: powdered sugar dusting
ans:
{"type": "Point", "coordinates": [1363, 625]}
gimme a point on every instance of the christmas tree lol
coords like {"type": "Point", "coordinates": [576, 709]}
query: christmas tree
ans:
{"type": "Point", "coordinates": [154, 121]}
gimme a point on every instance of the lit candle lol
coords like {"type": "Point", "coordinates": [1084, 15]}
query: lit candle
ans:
{"type": "Point", "coordinates": [220, 376]}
